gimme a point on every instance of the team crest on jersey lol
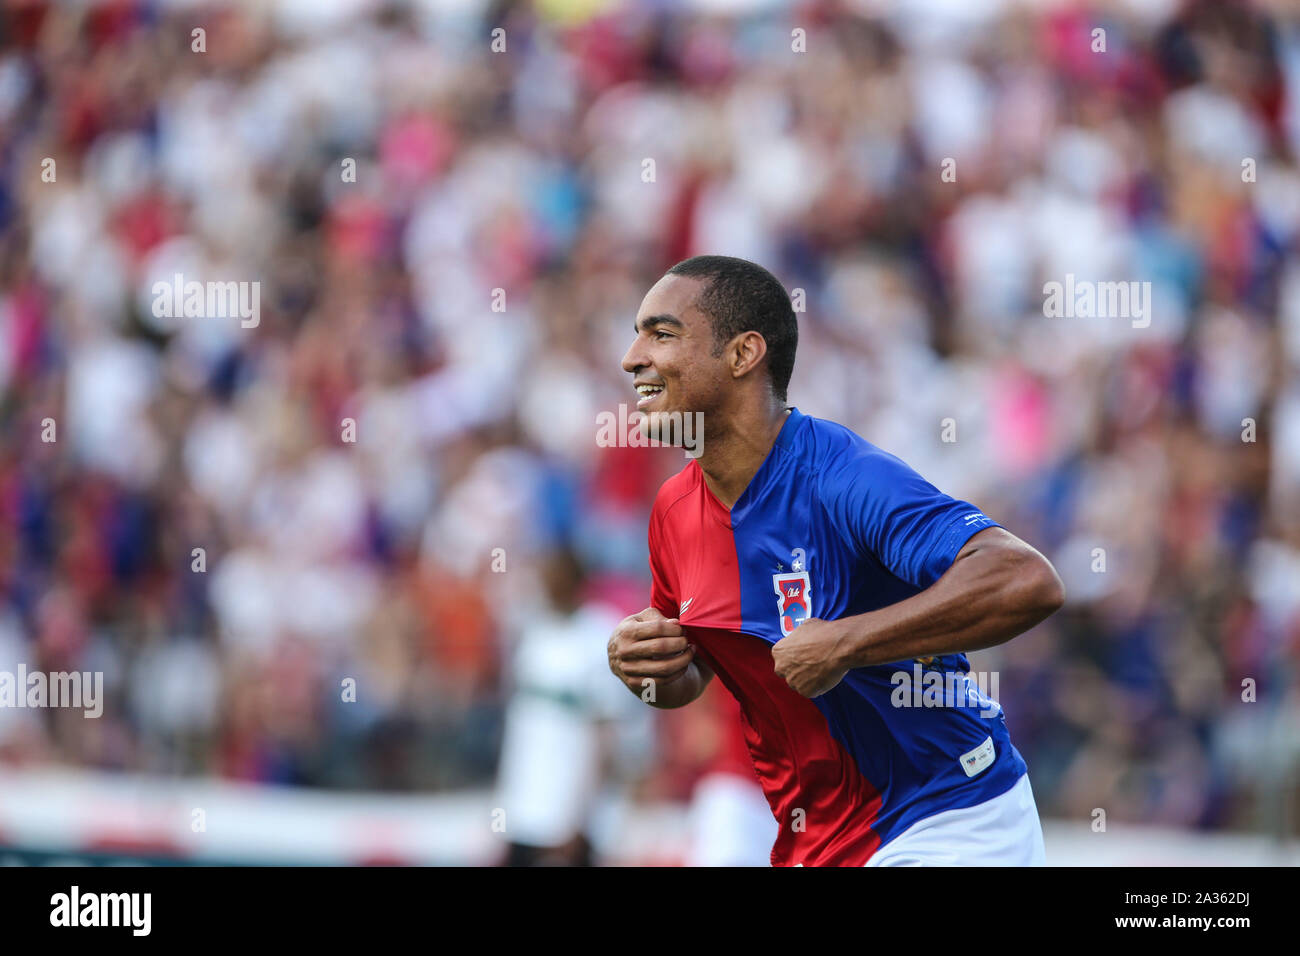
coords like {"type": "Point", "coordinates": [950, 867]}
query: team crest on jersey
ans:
{"type": "Point", "coordinates": [793, 594]}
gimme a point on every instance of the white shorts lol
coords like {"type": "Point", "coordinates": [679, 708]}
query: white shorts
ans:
{"type": "Point", "coordinates": [1003, 831]}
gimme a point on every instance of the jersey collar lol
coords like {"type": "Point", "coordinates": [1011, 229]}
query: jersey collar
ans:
{"type": "Point", "coordinates": [784, 441]}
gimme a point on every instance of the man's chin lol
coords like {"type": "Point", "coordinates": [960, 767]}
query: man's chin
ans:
{"type": "Point", "coordinates": [657, 417]}
{"type": "Point", "coordinates": [673, 427]}
{"type": "Point", "coordinates": [659, 423]}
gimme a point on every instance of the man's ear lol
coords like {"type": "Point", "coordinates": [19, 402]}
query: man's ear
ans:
{"type": "Point", "coordinates": [745, 352]}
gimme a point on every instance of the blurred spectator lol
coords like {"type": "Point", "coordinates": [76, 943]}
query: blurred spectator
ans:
{"type": "Point", "coordinates": [567, 724]}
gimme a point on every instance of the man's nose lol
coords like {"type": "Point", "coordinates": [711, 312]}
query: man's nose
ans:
{"type": "Point", "coordinates": [633, 360]}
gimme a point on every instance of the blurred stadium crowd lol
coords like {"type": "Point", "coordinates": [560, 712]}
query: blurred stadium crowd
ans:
{"type": "Point", "coordinates": [1169, 157]}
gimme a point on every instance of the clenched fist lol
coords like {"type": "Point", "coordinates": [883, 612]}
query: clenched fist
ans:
{"type": "Point", "coordinates": [649, 645]}
{"type": "Point", "coordinates": [806, 659]}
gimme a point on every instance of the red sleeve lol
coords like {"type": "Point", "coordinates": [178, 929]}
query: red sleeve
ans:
{"type": "Point", "coordinates": [663, 589]}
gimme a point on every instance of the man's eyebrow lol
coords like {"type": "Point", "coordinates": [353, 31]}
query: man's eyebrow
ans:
{"type": "Point", "coordinates": [650, 320]}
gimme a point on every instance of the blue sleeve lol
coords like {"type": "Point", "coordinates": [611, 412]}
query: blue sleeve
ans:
{"type": "Point", "coordinates": [888, 510]}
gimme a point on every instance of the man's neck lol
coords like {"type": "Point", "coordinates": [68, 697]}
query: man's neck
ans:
{"type": "Point", "coordinates": [734, 457]}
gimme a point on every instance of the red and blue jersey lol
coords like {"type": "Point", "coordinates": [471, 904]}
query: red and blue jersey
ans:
{"type": "Point", "coordinates": [830, 526]}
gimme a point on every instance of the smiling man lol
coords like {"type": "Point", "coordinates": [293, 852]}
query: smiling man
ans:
{"type": "Point", "coordinates": [815, 574]}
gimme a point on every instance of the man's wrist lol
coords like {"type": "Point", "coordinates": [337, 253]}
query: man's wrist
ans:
{"type": "Point", "coordinates": [851, 642]}
{"type": "Point", "coordinates": [677, 692]}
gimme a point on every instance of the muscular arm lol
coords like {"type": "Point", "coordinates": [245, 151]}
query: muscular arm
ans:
{"type": "Point", "coordinates": [996, 588]}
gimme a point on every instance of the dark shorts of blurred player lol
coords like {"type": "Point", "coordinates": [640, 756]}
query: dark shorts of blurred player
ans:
{"type": "Point", "coordinates": [577, 852]}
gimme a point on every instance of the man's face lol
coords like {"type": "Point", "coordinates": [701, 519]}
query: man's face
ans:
{"type": "Point", "coordinates": [671, 360]}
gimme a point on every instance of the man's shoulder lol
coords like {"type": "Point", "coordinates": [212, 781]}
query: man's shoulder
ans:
{"type": "Point", "coordinates": [826, 445]}
{"type": "Point", "coordinates": [675, 489]}
{"type": "Point", "coordinates": [821, 435]}
{"type": "Point", "coordinates": [841, 462]}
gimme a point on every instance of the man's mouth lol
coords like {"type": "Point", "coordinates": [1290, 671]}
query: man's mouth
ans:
{"type": "Point", "coordinates": [648, 394]}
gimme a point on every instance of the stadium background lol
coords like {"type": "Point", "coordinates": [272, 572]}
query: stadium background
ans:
{"type": "Point", "coordinates": [1169, 158]}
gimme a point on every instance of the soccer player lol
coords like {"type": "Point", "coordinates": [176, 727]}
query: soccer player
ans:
{"type": "Point", "coordinates": [818, 577]}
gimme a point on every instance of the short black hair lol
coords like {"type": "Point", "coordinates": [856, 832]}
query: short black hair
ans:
{"type": "Point", "coordinates": [741, 296]}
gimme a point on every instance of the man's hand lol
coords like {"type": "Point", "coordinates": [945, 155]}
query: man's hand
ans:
{"type": "Point", "coordinates": [807, 660]}
{"type": "Point", "coordinates": [649, 645]}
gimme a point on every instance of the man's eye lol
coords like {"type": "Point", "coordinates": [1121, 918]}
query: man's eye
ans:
{"type": "Point", "coordinates": [659, 332]}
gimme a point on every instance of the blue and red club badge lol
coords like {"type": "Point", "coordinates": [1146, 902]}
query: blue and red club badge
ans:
{"type": "Point", "coordinates": [793, 593]}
